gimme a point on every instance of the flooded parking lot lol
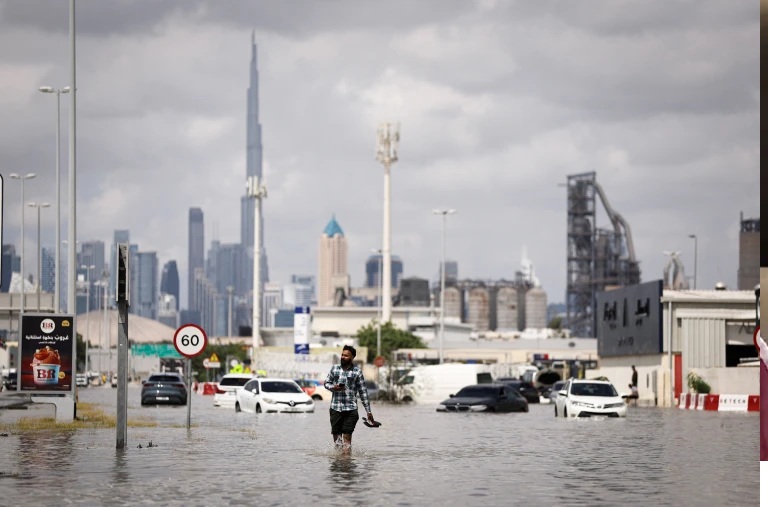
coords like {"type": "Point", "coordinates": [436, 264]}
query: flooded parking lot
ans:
{"type": "Point", "coordinates": [417, 457]}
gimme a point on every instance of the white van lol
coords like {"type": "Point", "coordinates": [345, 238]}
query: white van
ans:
{"type": "Point", "coordinates": [436, 382]}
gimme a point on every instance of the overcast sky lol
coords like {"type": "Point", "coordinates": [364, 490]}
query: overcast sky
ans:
{"type": "Point", "coordinates": [498, 103]}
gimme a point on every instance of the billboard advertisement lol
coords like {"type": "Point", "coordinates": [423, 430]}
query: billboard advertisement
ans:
{"type": "Point", "coordinates": [302, 323]}
{"type": "Point", "coordinates": [629, 320]}
{"type": "Point", "coordinates": [47, 353]}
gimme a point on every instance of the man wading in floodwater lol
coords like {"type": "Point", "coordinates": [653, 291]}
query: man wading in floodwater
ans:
{"type": "Point", "coordinates": [345, 380]}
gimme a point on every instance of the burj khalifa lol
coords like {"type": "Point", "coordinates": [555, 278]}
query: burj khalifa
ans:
{"type": "Point", "coordinates": [253, 168]}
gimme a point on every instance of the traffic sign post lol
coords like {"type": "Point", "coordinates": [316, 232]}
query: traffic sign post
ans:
{"type": "Point", "coordinates": [190, 341]}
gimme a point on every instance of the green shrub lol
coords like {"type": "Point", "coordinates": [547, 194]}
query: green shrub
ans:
{"type": "Point", "coordinates": [697, 383]}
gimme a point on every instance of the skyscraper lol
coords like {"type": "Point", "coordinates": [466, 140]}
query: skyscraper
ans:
{"type": "Point", "coordinates": [169, 281]}
{"type": "Point", "coordinates": [332, 266]}
{"type": "Point", "coordinates": [253, 160]}
{"type": "Point", "coordinates": [146, 286]}
{"type": "Point", "coordinates": [196, 251]}
{"type": "Point", "coordinates": [372, 270]}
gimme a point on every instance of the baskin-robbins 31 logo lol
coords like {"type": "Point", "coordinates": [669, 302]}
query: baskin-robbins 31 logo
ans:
{"type": "Point", "coordinates": [47, 326]}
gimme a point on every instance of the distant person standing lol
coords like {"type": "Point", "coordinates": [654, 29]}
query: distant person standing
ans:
{"type": "Point", "coordinates": [634, 376]}
{"type": "Point", "coordinates": [345, 381]}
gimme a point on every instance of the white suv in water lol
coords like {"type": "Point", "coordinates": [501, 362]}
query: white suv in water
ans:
{"type": "Point", "coordinates": [227, 388]}
{"type": "Point", "coordinates": [587, 398]}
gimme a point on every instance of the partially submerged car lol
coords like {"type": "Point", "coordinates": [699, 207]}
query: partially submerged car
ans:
{"type": "Point", "coordinates": [485, 398]}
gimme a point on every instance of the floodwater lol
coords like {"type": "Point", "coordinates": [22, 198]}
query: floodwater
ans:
{"type": "Point", "coordinates": [417, 457]}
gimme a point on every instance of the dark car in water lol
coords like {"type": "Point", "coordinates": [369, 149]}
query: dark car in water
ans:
{"type": "Point", "coordinates": [165, 388]}
{"type": "Point", "coordinates": [529, 392]}
{"type": "Point", "coordinates": [485, 398]}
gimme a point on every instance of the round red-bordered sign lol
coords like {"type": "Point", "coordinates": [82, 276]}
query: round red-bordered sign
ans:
{"type": "Point", "coordinates": [190, 340]}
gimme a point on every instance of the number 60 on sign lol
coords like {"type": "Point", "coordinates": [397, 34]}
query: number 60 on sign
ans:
{"type": "Point", "coordinates": [190, 340]}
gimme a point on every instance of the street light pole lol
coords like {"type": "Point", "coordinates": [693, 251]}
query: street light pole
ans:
{"type": "Point", "coordinates": [695, 257]}
{"type": "Point", "coordinates": [87, 309]}
{"type": "Point", "coordinates": [445, 213]}
{"type": "Point", "coordinates": [386, 153]}
{"type": "Point", "coordinates": [256, 191]}
{"type": "Point", "coordinates": [57, 264]}
{"type": "Point", "coordinates": [378, 326]}
{"type": "Point", "coordinates": [27, 176]}
{"type": "Point", "coordinates": [39, 249]}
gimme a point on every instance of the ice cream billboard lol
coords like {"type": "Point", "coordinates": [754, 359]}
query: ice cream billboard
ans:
{"type": "Point", "coordinates": [47, 353]}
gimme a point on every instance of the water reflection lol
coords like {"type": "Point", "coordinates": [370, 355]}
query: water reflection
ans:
{"type": "Point", "coordinates": [654, 457]}
{"type": "Point", "coordinates": [348, 473]}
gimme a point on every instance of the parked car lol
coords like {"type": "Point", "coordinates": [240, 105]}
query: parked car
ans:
{"type": "Point", "coordinates": [272, 395]}
{"type": "Point", "coordinates": [586, 398]}
{"type": "Point", "coordinates": [556, 387]}
{"type": "Point", "coordinates": [114, 380]}
{"type": "Point", "coordinates": [224, 395]}
{"type": "Point", "coordinates": [81, 380]}
{"type": "Point", "coordinates": [373, 390]}
{"type": "Point", "coordinates": [315, 389]}
{"type": "Point", "coordinates": [530, 393]}
{"type": "Point", "coordinates": [435, 382]}
{"type": "Point", "coordinates": [165, 387]}
{"type": "Point", "coordinates": [485, 398]}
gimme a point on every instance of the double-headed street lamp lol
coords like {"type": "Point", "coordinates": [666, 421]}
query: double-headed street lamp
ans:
{"type": "Point", "coordinates": [27, 176]}
{"type": "Point", "coordinates": [39, 205]}
{"type": "Point", "coordinates": [695, 257]}
{"type": "Point", "coordinates": [57, 282]}
{"type": "Point", "coordinates": [445, 213]}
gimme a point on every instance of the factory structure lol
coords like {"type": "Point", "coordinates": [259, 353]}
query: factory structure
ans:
{"type": "Point", "coordinates": [598, 259]}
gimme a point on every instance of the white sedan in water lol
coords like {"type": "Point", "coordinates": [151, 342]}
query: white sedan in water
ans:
{"type": "Point", "coordinates": [273, 395]}
{"type": "Point", "coordinates": [587, 398]}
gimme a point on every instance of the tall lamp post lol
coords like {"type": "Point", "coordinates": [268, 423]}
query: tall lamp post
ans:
{"type": "Point", "coordinates": [445, 213]}
{"type": "Point", "coordinates": [695, 257]}
{"type": "Point", "coordinates": [57, 269]}
{"type": "Point", "coordinates": [39, 248]}
{"type": "Point", "coordinates": [257, 191]}
{"type": "Point", "coordinates": [87, 309]}
{"type": "Point", "coordinates": [386, 153]}
{"type": "Point", "coordinates": [378, 326]}
{"type": "Point", "coordinates": [27, 176]}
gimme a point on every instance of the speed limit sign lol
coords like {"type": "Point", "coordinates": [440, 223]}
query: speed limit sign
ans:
{"type": "Point", "coordinates": [190, 340]}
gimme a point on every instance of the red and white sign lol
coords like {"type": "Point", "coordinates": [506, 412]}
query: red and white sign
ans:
{"type": "Point", "coordinates": [720, 402]}
{"type": "Point", "coordinates": [190, 340]}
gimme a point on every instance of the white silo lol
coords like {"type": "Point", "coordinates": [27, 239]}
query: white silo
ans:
{"type": "Point", "coordinates": [453, 297]}
{"type": "Point", "coordinates": [535, 308]}
{"type": "Point", "coordinates": [477, 309]}
{"type": "Point", "coordinates": [506, 309]}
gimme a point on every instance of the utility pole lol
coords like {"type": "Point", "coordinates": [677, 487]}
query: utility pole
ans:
{"type": "Point", "coordinates": [386, 153]}
{"type": "Point", "coordinates": [445, 213]}
{"type": "Point", "coordinates": [256, 191]}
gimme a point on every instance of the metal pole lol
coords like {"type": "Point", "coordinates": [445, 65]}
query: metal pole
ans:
{"type": "Point", "coordinates": [71, 302]}
{"type": "Point", "coordinates": [189, 392]}
{"type": "Point", "coordinates": [23, 276]}
{"type": "Point", "coordinates": [669, 357]}
{"type": "Point", "coordinates": [72, 229]}
{"type": "Point", "coordinates": [257, 191]}
{"type": "Point", "coordinates": [39, 258]}
{"type": "Point", "coordinates": [87, 312]}
{"type": "Point", "coordinates": [386, 259]}
{"type": "Point", "coordinates": [57, 263]}
{"type": "Point", "coordinates": [122, 374]}
{"type": "Point", "coordinates": [442, 295]}
{"type": "Point", "coordinates": [386, 153]}
{"type": "Point", "coordinates": [378, 328]}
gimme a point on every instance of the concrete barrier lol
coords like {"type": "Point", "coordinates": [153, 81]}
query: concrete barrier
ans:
{"type": "Point", "coordinates": [720, 402]}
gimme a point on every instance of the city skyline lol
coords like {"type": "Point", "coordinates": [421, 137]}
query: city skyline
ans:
{"type": "Point", "coordinates": [498, 104]}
